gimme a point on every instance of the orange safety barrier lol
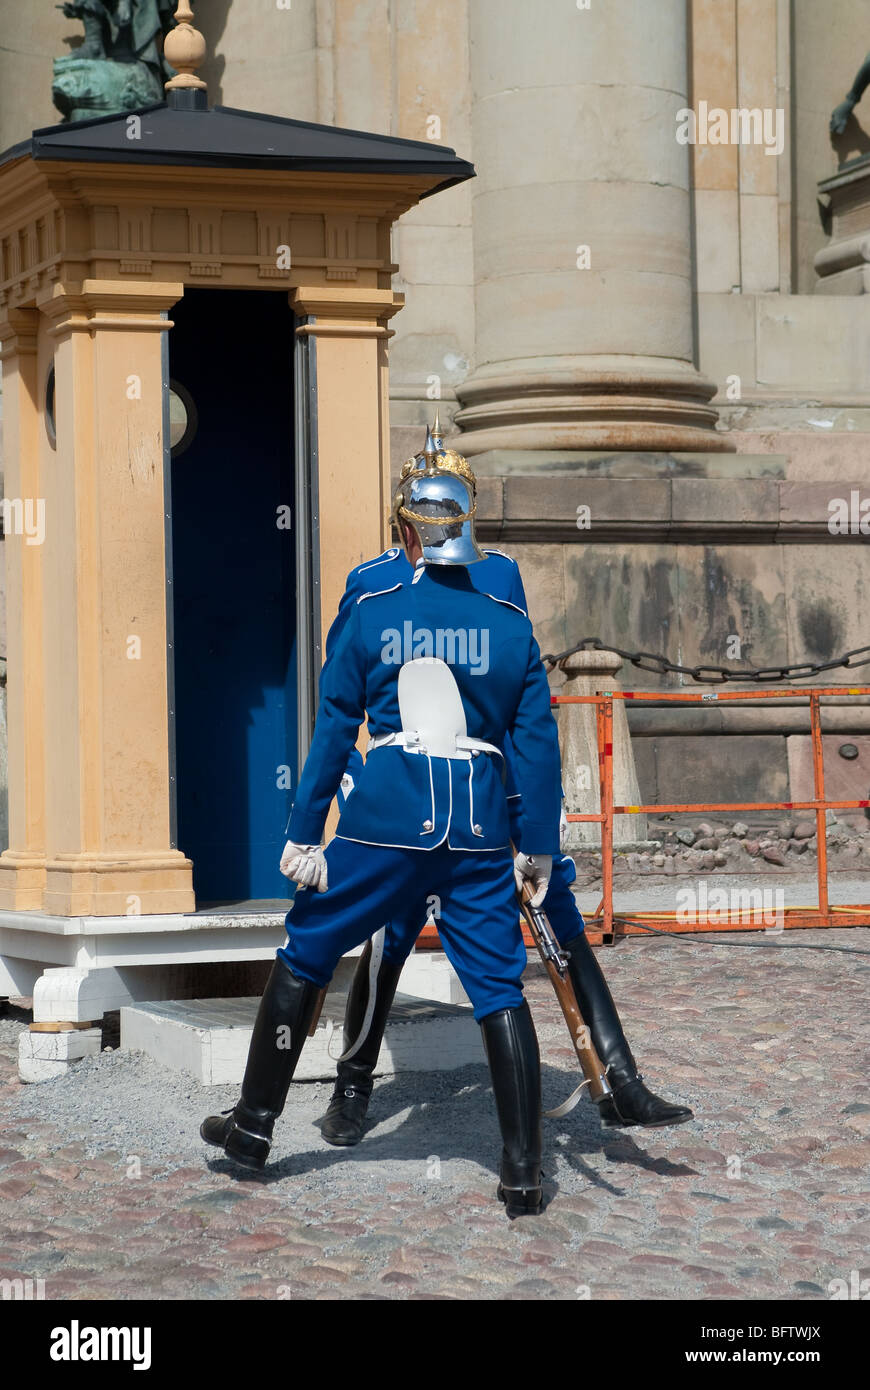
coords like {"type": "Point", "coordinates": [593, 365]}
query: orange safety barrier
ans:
{"type": "Point", "coordinates": [606, 925]}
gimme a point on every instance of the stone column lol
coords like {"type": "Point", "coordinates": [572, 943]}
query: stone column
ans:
{"type": "Point", "coordinates": [574, 121]}
{"type": "Point", "coordinates": [592, 673]}
{"type": "Point", "coordinates": [22, 865]}
{"type": "Point", "coordinates": [104, 688]}
{"type": "Point", "coordinates": [433, 242]}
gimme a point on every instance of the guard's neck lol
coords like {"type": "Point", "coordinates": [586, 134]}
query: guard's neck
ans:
{"type": "Point", "coordinates": [445, 576]}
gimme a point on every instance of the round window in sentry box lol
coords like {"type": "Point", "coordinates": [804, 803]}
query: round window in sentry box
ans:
{"type": "Point", "coordinates": [182, 419]}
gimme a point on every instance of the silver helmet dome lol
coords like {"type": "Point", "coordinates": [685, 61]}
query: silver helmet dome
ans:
{"type": "Point", "coordinates": [436, 497]}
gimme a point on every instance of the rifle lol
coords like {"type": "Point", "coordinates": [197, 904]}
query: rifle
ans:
{"type": "Point", "coordinates": [556, 964]}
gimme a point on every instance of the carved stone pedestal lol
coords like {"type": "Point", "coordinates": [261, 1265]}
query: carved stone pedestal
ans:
{"type": "Point", "coordinates": [590, 673]}
{"type": "Point", "coordinates": [843, 266]}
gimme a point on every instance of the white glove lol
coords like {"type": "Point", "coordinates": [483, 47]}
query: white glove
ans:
{"type": "Point", "coordinates": [537, 869]}
{"type": "Point", "coordinates": [563, 828]}
{"type": "Point", "coordinates": [305, 864]}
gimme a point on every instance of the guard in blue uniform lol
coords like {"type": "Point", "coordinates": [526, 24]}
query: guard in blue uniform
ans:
{"type": "Point", "coordinates": [444, 675]}
{"type": "Point", "coordinates": [379, 969]}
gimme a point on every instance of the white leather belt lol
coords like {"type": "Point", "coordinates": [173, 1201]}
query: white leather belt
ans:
{"type": "Point", "coordinates": [412, 742]}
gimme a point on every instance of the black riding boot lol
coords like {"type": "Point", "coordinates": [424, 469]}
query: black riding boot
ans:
{"type": "Point", "coordinates": [283, 1020]}
{"type": "Point", "coordinates": [632, 1103]}
{"type": "Point", "coordinates": [511, 1047]}
{"type": "Point", "coordinates": [344, 1120]}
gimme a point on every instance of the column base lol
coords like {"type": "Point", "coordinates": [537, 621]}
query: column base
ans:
{"type": "Point", "coordinates": [111, 885]}
{"type": "Point", "coordinates": [22, 881]}
{"type": "Point", "coordinates": [589, 403]}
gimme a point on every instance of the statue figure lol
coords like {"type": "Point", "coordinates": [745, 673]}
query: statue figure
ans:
{"type": "Point", "coordinates": [119, 67]}
{"type": "Point", "coordinates": [840, 115]}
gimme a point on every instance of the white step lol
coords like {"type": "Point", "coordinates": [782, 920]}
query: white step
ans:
{"type": "Point", "coordinates": [429, 975]}
{"type": "Point", "coordinates": [210, 1037]}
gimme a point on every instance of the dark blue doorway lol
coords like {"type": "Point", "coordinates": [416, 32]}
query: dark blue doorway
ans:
{"type": "Point", "coordinates": [233, 588]}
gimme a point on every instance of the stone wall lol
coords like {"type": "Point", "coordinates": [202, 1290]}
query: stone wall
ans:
{"type": "Point", "coordinates": [683, 558]}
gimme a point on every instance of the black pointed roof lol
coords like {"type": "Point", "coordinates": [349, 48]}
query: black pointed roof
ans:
{"type": "Point", "coordinates": [223, 138]}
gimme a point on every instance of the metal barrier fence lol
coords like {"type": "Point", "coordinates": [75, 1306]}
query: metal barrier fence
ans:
{"type": "Point", "coordinates": [606, 926]}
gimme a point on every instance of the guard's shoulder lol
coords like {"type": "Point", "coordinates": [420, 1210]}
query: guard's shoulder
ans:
{"type": "Point", "coordinates": [494, 550]}
{"type": "Point", "coordinates": [501, 572]}
{"type": "Point", "coordinates": [376, 593]}
{"type": "Point", "coordinates": [368, 572]}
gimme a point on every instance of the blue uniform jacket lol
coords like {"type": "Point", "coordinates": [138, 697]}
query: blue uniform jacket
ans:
{"type": "Point", "coordinates": [413, 800]}
{"type": "Point", "coordinates": [498, 575]}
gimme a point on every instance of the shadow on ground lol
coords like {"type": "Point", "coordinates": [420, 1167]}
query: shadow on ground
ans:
{"type": "Point", "coordinates": [473, 1135]}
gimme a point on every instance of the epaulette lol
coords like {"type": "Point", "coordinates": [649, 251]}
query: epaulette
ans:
{"type": "Point", "coordinates": [494, 550]}
{"type": "Point", "coordinates": [382, 559]}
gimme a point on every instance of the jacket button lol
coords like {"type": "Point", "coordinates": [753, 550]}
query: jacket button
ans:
{"type": "Point", "coordinates": [427, 825]}
{"type": "Point", "coordinates": [478, 829]}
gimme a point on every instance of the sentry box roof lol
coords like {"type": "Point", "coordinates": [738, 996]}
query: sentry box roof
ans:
{"type": "Point", "coordinates": [224, 138]}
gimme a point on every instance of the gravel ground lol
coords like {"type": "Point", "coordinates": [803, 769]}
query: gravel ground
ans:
{"type": "Point", "coordinates": [107, 1192]}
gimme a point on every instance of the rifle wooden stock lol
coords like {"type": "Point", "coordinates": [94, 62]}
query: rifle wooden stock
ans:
{"type": "Point", "coordinates": [587, 1056]}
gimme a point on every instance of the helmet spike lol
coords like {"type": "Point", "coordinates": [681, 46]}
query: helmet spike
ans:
{"type": "Point", "coordinates": [430, 449]}
{"type": "Point", "coordinates": [437, 432]}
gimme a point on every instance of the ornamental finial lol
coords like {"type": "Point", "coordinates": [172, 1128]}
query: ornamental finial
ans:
{"type": "Point", "coordinates": [184, 49]}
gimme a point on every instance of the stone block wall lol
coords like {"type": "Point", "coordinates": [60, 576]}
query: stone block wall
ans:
{"type": "Point", "coordinates": [696, 558]}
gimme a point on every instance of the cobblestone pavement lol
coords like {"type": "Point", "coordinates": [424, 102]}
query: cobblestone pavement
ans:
{"type": "Point", "coordinates": [107, 1192]}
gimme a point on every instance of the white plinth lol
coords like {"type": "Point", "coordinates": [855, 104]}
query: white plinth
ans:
{"type": "Point", "coordinates": [210, 1038]}
{"type": "Point", "coordinates": [78, 968]}
{"type": "Point", "coordinates": [43, 1056]}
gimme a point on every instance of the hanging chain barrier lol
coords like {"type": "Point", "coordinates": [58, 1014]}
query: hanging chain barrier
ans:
{"type": "Point", "coordinates": [660, 665]}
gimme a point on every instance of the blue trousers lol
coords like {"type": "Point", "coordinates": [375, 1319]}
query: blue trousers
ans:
{"type": "Point", "coordinates": [478, 919]}
{"type": "Point", "coordinates": [559, 905]}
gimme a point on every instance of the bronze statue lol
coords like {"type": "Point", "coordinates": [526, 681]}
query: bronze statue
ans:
{"type": "Point", "coordinates": [120, 66]}
{"type": "Point", "coordinates": [840, 115]}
